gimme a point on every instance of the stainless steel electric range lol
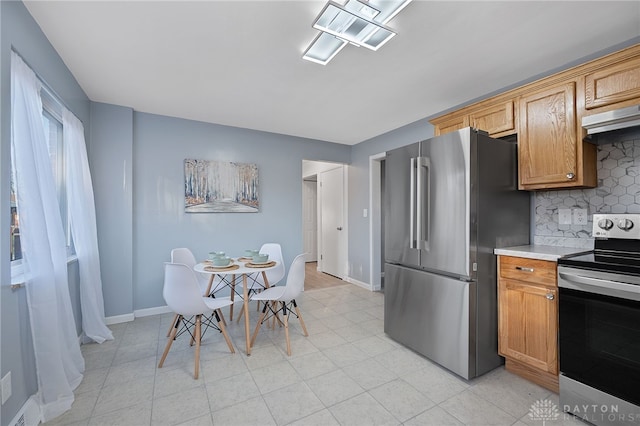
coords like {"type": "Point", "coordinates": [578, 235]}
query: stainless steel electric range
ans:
{"type": "Point", "coordinates": [599, 324]}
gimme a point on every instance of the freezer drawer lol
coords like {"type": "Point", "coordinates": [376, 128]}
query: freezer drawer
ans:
{"type": "Point", "coordinates": [432, 314]}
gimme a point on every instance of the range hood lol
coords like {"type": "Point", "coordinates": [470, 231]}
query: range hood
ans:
{"type": "Point", "coordinates": [622, 118]}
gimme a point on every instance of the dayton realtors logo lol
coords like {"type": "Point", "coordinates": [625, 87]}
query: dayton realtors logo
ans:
{"type": "Point", "coordinates": [602, 413]}
{"type": "Point", "coordinates": [544, 410]}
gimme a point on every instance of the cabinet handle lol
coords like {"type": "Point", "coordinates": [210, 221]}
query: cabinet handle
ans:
{"type": "Point", "coordinates": [570, 175]}
{"type": "Point", "coordinates": [550, 296]}
{"type": "Point", "coordinates": [524, 269]}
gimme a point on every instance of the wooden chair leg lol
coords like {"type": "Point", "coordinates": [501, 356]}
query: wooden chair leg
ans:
{"type": "Point", "coordinates": [175, 316]}
{"type": "Point", "coordinates": [172, 336]}
{"type": "Point", "coordinates": [222, 317]}
{"type": "Point", "coordinates": [255, 333]}
{"type": "Point", "coordinates": [304, 328]}
{"type": "Point", "coordinates": [196, 370]}
{"type": "Point", "coordinates": [223, 330]}
{"type": "Point", "coordinates": [286, 329]}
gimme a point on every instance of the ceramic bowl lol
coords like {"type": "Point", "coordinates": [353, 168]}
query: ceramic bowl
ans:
{"type": "Point", "coordinates": [250, 253]}
{"type": "Point", "coordinates": [216, 254]}
{"type": "Point", "coordinates": [221, 261]}
{"type": "Point", "coordinates": [260, 258]}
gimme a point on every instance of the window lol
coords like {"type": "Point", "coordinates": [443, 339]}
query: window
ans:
{"type": "Point", "coordinates": [52, 123]}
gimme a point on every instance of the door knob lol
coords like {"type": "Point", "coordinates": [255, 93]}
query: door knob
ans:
{"type": "Point", "coordinates": [339, 228]}
{"type": "Point", "coordinates": [550, 296]}
{"type": "Point", "coordinates": [570, 175]}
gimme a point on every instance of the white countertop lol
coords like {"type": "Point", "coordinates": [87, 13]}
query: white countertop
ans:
{"type": "Point", "coordinates": [538, 251]}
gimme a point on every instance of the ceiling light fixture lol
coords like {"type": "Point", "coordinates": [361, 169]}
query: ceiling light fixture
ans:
{"type": "Point", "coordinates": [358, 22]}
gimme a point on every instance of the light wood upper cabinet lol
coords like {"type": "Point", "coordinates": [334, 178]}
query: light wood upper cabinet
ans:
{"type": "Point", "coordinates": [550, 153]}
{"type": "Point", "coordinates": [451, 124]}
{"type": "Point", "coordinates": [613, 84]}
{"type": "Point", "coordinates": [528, 318]}
{"type": "Point", "coordinates": [546, 115]}
{"type": "Point", "coordinates": [498, 120]}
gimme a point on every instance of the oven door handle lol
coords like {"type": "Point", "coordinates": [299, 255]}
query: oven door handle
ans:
{"type": "Point", "coordinates": [599, 286]}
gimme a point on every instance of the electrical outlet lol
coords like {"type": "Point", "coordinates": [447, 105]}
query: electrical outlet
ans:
{"type": "Point", "coordinates": [5, 387]}
{"type": "Point", "coordinates": [564, 216]}
{"type": "Point", "coordinates": [365, 213]}
{"type": "Point", "coordinates": [580, 216]}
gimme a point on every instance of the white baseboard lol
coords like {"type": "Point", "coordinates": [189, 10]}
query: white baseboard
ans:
{"type": "Point", "coordinates": [362, 284]}
{"type": "Point", "coordinates": [151, 311]}
{"type": "Point", "coordinates": [29, 414]}
{"type": "Point", "coordinates": [117, 319]}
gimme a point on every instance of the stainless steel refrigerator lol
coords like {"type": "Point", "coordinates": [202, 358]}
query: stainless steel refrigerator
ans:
{"type": "Point", "coordinates": [449, 201]}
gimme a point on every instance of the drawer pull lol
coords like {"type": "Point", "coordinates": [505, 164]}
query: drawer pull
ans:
{"type": "Point", "coordinates": [523, 268]}
{"type": "Point", "coordinates": [550, 296]}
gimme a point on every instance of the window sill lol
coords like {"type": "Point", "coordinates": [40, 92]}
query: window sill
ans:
{"type": "Point", "coordinates": [17, 274]}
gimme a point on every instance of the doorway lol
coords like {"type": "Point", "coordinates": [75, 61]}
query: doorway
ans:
{"type": "Point", "coordinates": [324, 216]}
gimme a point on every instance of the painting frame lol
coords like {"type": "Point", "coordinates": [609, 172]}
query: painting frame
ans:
{"type": "Point", "coordinates": [212, 186]}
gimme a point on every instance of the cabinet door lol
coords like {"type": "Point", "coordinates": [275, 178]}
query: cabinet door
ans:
{"type": "Point", "coordinates": [452, 124]}
{"type": "Point", "coordinates": [528, 324]}
{"type": "Point", "coordinates": [498, 120]}
{"type": "Point", "coordinates": [547, 138]}
{"type": "Point", "coordinates": [612, 84]}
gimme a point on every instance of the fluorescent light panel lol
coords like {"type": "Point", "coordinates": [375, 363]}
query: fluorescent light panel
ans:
{"type": "Point", "coordinates": [360, 23]}
{"type": "Point", "coordinates": [323, 48]}
{"type": "Point", "coordinates": [350, 27]}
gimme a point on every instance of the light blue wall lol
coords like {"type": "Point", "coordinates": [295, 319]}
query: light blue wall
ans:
{"type": "Point", "coordinates": [111, 163]}
{"type": "Point", "coordinates": [132, 271]}
{"type": "Point", "coordinates": [359, 189]}
{"type": "Point", "coordinates": [19, 30]}
{"type": "Point", "coordinates": [160, 146]}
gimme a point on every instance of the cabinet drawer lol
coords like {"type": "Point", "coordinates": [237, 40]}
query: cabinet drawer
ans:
{"type": "Point", "coordinates": [531, 270]}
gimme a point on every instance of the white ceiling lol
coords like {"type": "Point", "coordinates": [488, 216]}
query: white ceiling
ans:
{"type": "Point", "coordinates": [238, 63]}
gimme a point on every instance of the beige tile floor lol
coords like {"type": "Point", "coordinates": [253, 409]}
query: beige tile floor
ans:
{"type": "Point", "coordinates": [347, 372]}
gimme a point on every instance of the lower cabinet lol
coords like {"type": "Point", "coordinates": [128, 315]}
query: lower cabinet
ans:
{"type": "Point", "coordinates": [528, 319]}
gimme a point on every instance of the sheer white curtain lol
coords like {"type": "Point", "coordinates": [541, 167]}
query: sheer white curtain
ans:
{"type": "Point", "coordinates": [83, 227]}
{"type": "Point", "coordinates": [59, 363]}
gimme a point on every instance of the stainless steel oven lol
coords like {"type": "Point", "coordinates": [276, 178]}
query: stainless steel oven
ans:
{"type": "Point", "coordinates": [599, 325]}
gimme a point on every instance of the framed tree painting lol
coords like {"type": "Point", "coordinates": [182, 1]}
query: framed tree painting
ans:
{"type": "Point", "coordinates": [220, 187]}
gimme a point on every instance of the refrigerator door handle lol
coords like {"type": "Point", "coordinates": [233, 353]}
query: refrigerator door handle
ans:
{"type": "Point", "coordinates": [422, 201]}
{"type": "Point", "coordinates": [412, 205]}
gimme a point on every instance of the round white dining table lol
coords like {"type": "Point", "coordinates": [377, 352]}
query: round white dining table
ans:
{"type": "Point", "coordinates": [245, 272]}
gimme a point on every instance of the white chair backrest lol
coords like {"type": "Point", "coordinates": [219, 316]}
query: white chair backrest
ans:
{"type": "Point", "coordinates": [181, 290]}
{"type": "Point", "coordinates": [295, 279]}
{"type": "Point", "coordinates": [275, 275]}
{"type": "Point", "coordinates": [186, 257]}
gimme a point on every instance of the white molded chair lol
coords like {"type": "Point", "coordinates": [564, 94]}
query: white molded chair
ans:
{"type": "Point", "coordinates": [274, 276]}
{"type": "Point", "coordinates": [186, 257]}
{"type": "Point", "coordinates": [184, 297]}
{"type": "Point", "coordinates": [284, 298]}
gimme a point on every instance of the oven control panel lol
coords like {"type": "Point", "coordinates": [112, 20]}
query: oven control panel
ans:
{"type": "Point", "coordinates": [613, 225]}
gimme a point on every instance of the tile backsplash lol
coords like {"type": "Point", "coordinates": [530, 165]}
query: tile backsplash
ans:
{"type": "Point", "coordinates": [618, 191]}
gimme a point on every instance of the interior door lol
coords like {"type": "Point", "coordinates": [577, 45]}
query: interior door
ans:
{"type": "Point", "coordinates": [333, 255]}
